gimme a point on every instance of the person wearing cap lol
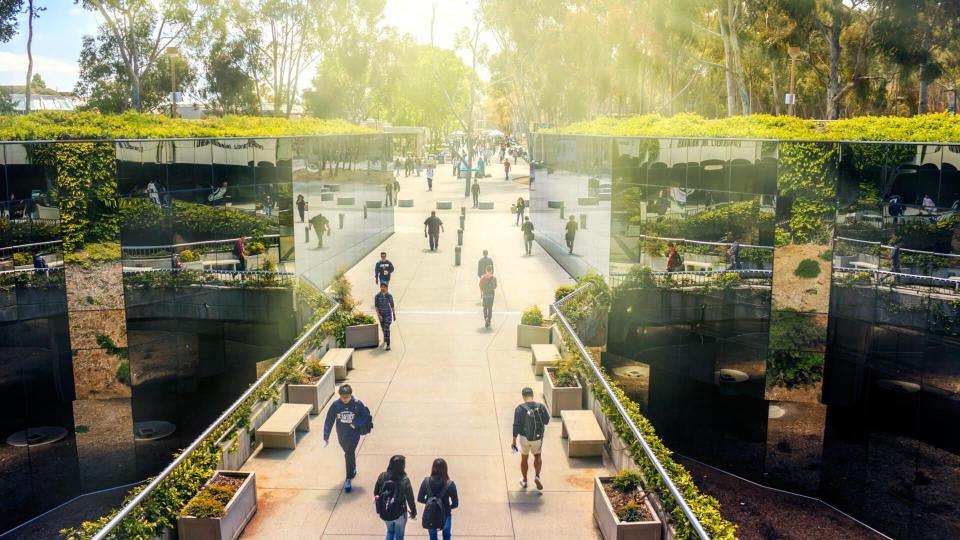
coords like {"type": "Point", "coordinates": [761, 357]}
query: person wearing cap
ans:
{"type": "Point", "coordinates": [529, 419]}
{"type": "Point", "coordinates": [353, 420]}
{"type": "Point", "coordinates": [386, 311]}
{"type": "Point", "coordinates": [383, 269]}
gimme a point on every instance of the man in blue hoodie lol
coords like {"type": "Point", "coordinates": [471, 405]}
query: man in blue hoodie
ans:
{"type": "Point", "coordinates": [353, 420]}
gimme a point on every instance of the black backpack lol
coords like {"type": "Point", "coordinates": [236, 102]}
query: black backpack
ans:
{"type": "Point", "coordinates": [532, 423]}
{"type": "Point", "coordinates": [433, 517]}
{"type": "Point", "coordinates": [366, 427]}
{"type": "Point", "coordinates": [389, 500]}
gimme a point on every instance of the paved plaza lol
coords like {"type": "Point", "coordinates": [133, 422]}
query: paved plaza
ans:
{"type": "Point", "coordinates": [447, 389]}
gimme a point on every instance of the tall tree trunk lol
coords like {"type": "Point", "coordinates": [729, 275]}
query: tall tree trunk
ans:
{"type": "Point", "coordinates": [833, 86]}
{"type": "Point", "coordinates": [923, 100]}
{"type": "Point", "coordinates": [776, 91]}
{"type": "Point", "coordinates": [29, 88]}
{"type": "Point", "coordinates": [740, 78]}
{"type": "Point", "coordinates": [135, 91]}
{"type": "Point", "coordinates": [727, 61]}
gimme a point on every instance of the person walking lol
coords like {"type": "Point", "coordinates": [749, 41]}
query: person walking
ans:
{"type": "Point", "coordinates": [383, 269]}
{"type": "Point", "coordinates": [520, 207]}
{"type": "Point", "coordinates": [533, 175]}
{"type": "Point", "coordinates": [506, 169]}
{"type": "Point", "coordinates": [430, 179]}
{"type": "Point", "coordinates": [483, 263]}
{"type": "Point", "coordinates": [319, 223]}
{"type": "Point", "coordinates": [301, 207]}
{"type": "Point", "coordinates": [393, 498]}
{"type": "Point", "coordinates": [240, 252]}
{"type": "Point", "coordinates": [733, 256]}
{"type": "Point", "coordinates": [571, 232]}
{"type": "Point", "coordinates": [386, 312]}
{"type": "Point", "coordinates": [527, 230]}
{"type": "Point", "coordinates": [388, 190]}
{"type": "Point", "coordinates": [673, 258]}
{"type": "Point", "coordinates": [438, 494]}
{"type": "Point", "coordinates": [488, 288]}
{"type": "Point", "coordinates": [353, 421]}
{"type": "Point", "coordinates": [419, 165]}
{"type": "Point", "coordinates": [431, 230]}
{"type": "Point", "coordinates": [39, 263]}
{"type": "Point", "coordinates": [475, 190]}
{"type": "Point", "coordinates": [529, 419]}
{"type": "Point", "coordinates": [895, 257]}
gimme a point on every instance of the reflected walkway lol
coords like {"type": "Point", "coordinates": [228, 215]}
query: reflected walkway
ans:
{"type": "Point", "coordinates": [447, 389]}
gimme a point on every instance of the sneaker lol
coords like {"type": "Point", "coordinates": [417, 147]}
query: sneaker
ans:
{"type": "Point", "coordinates": [523, 483]}
{"type": "Point", "coordinates": [536, 480]}
{"type": "Point", "coordinates": [347, 485]}
{"type": "Point", "coordinates": [388, 347]}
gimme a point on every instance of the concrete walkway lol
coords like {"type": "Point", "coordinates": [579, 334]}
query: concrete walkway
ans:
{"type": "Point", "coordinates": [447, 389]}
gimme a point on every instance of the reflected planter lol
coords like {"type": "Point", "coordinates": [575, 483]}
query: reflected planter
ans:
{"type": "Point", "coordinates": [238, 513]}
{"type": "Point", "coordinates": [362, 335]}
{"type": "Point", "coordinates": [528, 335]}
{"type": "Point", "coordinates": [560, 398]}
{"type": "Point", "coordinates": [315, 394]}
{"type": "Point", "coordinates": [610, 525]}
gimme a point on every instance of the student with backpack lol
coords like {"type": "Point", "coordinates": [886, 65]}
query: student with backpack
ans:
{"type": "Point", "coordinates": [393, 497]}
{"type": "Point", "coordinates": [438, 494]}
{"type": "Point", "coordinates": [529, 420]}
{"type": "Point", "coordinates": [353, 421]}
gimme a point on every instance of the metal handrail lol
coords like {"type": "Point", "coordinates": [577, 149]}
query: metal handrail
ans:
{"type": "Point", "coordinates": [678, 497]}
{"type": "Point", "coordinates": [28, 246]}
{"type": "Point", "coordinates": [905, 250]}
{"type": "Point", "coordinates": [701, 242]}
{"type": "Point", "coordinates": [169, 469]}
{"type": "Point", "coordinates": [189, 244]}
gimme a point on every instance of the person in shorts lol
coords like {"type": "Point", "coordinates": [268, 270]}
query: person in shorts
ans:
{"type": "Point", "coordinates": [529, 421]}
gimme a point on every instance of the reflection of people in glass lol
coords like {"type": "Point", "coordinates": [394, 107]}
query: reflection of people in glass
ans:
{"type": "Point", "coordinates": [929, 207]}
{"type": "Point", "coordinates": [895, 257]}
{"type": "Point", "coordinates": [268, 205]}
{"type": "Point", "coordinates": [240, 252]}
{"type": "Point", "coordinates": [175, 262]}
{"type": "Point", "coordinates": [319, 223]}
{"type": "Point", "coordinates": [153, 193]}
{"type": "Point", "coordinates": [219, 196]}
{"type": "Point", "coordinates": [733, 256]}
{"type": "Point", "coordinates": [896, 209]}
{"type": "Point", "coordinates": [301, 207]}
{"type": "Point", "coordinates": [673, 258]}
{"type": "Point", "coordinates": [39, 263]}
{"type": "Point", "coordinates": [571, 232]}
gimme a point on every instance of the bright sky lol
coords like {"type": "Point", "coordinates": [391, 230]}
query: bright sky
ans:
{"type": "Point", "coordinates": [59, 31]}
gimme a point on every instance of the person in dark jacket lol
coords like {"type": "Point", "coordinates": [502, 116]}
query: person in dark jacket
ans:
{"type": "Point", "coordinates": [39, 263]}
{"type": "Point", "coordinates": [383, 269]}
{"type": "Point", "coordinates": [483, 263]}
{"type": "Point", "coordinates": [240, 252]}
{"type": "Point", "coordinates": [350, 416]}
{"type": "Point", "coordinates": [529, 443]}
{"type": "Point", "coordinates": [527, 230]}
{"type": "Point", "coordinates": [396, 472]}
{"type": "Point", "coordinates": [433, 485]}
{"type": "Point", "coordinates": [386, 312]}
{"type": "Point", "coordinates": [301, 207]}
{"type": "Point", "coordinates": [488, 288]}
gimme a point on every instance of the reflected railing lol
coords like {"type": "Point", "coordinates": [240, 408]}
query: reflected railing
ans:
{"type": "Point", "coordinates": [700, 278]}
{"type": "Point", "coordinates": [36, 278]}
{"type": "Point", "coordinates": [671, 489]}
{"type": "Point", "coordinates": [165, 277]}
{"type": "Point", "coordinates": [846, 275]}
{"type": "Point", "coordinates": [203, 247]}
{"type": "Point", "coordinates": [43, 247]}
{"type": "Point", "coordinates": [133, 514]}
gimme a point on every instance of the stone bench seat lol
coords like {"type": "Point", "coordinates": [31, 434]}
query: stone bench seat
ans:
{"type": "Point", "coordinates": [214, 263]}
{"type": "Point", "coordinates": [280, 430]}
{"type": "Point", "coordinates": [863, 265]}
{"type": "Point", "coordinates": [341, 360]}
{"type": "Point", "coordinates": [543, 355]}
{"type": "Point", "coordinates": [406, 203]}
{"type": "Point", "coordinates": [583, 433]}
{"type": "Point", "coordinates": [444, 205]}
{"type": "Point", "coordinates": [485, 205]}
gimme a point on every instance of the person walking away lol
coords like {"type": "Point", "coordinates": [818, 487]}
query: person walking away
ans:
{"type": "Point", "coordinates": [393, 498]}
{"type": "Point", "coordinates": [301, 207]}
{"type": "Point", "coordinates": [533, 175]}
{"type": "Point", "coordinates": [396, 190]}
{"type": "Point", "coordinates": [268, 205]}
{"type": "Point", "coordinates": [520, 207]}
{"type": "Point", "coordinates": [506, 169]}
{"type": "Point", "coordinates": [529, 419]}
{"type": "Point", "coordinates": [319, 223]}
{"type": "Point", "coordinates": [419, 165]}
{"type": "Point", "coordinates": [430, 179]}
{"type": "Point", "coordinates": [482, 167]}
{"type": "Point", "coordinates": [438, 494]}
{"type": "Point", "coordinates": [39, 263]}
{"type": "Point", "coordinates": [527, 230]}
{"type": "Point", "coordinates": [388, 190]}
{"type": "Point", "coordinates": [396, 167]}
{"type": "Point", "coordinates": [488, 288]}
{"type": "Point", "coordinates": [895, 257]}
{"type": "Point", "coordinates": [571, 233]}
{"type": "Point", "coordinates": [431, 230]}
{"type": "Point", "coordinates": [383, 269]}
{"type": "Point", "coordinates": [673, 258]}
{"type": "Point", "coordinates": [475, 190]}
{"type": "Point", "coordinates": [386, 312]}
{"type": "Point", "coordinates": [483, 263]}
{"type": "Point", "coordinates": [353, 421]}
{"type": "Point", "coordinates": [240, 252]}
{"type": "Point", "coordinates": [733, 255]}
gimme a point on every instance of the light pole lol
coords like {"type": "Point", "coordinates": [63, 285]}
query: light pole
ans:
{"type": "Point", "coordinates": [794, 53]}
{"type": "Point", "coordinates": [172, 53]}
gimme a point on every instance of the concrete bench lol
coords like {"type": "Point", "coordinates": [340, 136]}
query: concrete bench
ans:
{"type": "Point", "coordinates": [374, 204]}
{"type": "Point", "coordinates": [232, 263]}
{"type": "Point", "coordinates": [326, 196]}
{"type": "Point", "coordinates": [444, 205]}
{"type": "Point", "coordinates": [345, 201]}
{"type": "Point", "coordinates": [341, 360]}
{"type": "Point", "coordinates": [554, 204]}
{"type": "Point", "coordinates": [583, 433]}
{"type": "Point", "coordinates": [406, 203]}
{"type": "Point", "coordinates": [863, 265]}
{"type": "Point", "coordinates": [485, 205]}
{"type": "Point", "coordinates": [280, 430]}
{"type": "Point", "coordinates": [543, 355]}
{"type": "Point", "coordinates": [695, 266]}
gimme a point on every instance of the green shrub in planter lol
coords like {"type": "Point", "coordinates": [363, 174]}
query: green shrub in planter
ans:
{"type": "Point", "coordinates": [631, 513]}
{"type": "Point", "coordinates": [188, 255]}
{"type": "Point", "coordinates": [210, 502]}
{"type": "Point", "coordinates": [22, 259]}
{"type": "Point", "coordinates": [626, 481]}
{"type": "Point", "coordinates": [562, 291]}
{"type": "Point", "coordinates": [532, 316]}
{"type": "Point", "coordinates": [807, 269]}
{"type": "Point", "coordinates": [256, 248]}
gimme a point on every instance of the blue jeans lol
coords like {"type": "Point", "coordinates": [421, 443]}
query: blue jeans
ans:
{"type": "Point", "coordinates": [396, 527]}
{"type": "Point", "coordinates": [446, 531]}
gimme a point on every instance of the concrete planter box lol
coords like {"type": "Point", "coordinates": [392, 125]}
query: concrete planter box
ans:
{"type": "Point", "coordinates": [528, 335]}
{"type": "Point", "coordinates": [315, 394]}
{"type": "Point", "coordinates": [406, 203]}
{"type": "Point", "coordinates": [235, 453]}
{"type": "Point", "coordinates": [560, 399]}
{"type": "Point", "coordinates": [260, 412]}
{"type": "Point", "coordinates": [485, 205]}
{"type": "Point", "coordinates": [374, 204]}
{"type": "Point", "coordinates": [345, 201]}
{"type": "Point", "coordinates": [238, 513]}
{"type": "Point", "coordinates": [444, 205]}
{"type": "Point", "coordinates": [614, 529]}
{"type": "Point", "coordinates": [362, 335]}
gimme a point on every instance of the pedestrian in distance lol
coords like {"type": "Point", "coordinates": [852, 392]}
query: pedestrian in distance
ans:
{"type": "Point", "coordinates": [388, 190]}
{"type": "Point", "coordinates": [393, 498]}
{"type": "Point", "coordinates": [475, 191]}
{"type": "Point", "coordinates": [571, 232]}
{"type": "Point", "coordinates": [353, 421]}
{"type": "Point", "coordinates": [383, 269]}
{"type": "Point", "coordinates": [386, 312]}
{"type": "Point", "coordinates": [520, 207]}
{"type": "Point", "coordinates": [438, 494]}
{"type": "Point", "coordinates": [419, 165]}
{"type": "Point", "coordinates": [529, 421]}
{"type": "Point", "coordinates": [396, 189]}
{"type": "Point", "coordinates": [527, 230]}
{"type": "Point", "coordinates": [674, 261]}
{"type": "Point", "coordinates": [301, 207]}
{"type": "Point", "coordinates": [533, 175]}
{"type": "Point", "coordinates": [733, 256]}
{"type": "Point", "coordinates": [483, 263]}
{"type": "Point", "coordinates": [240, 252]}
{"type": "Point", "coordinates": [430, 179]}
{"type": "Point", "coordinates": [506, 169]}
{"type": "Point", "coordinates": [431, 230]}
{"type": "Point", "coordinates": [895, 257]}
{"type": "Point", "coordinates": [488, 289]}
{"type": "Point", "coordinates": [319, 223]}
{"type": "Point", "coordinates": [40, 264]}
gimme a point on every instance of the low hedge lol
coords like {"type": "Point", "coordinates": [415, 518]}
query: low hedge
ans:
{"type": "Point", "coordinates": [941, 127]}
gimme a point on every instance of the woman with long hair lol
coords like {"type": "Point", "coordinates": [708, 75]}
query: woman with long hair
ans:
{"type": "Point", "coordinates": [439, 495]}
{"type": "Point", "coordinates": [393, 497]}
